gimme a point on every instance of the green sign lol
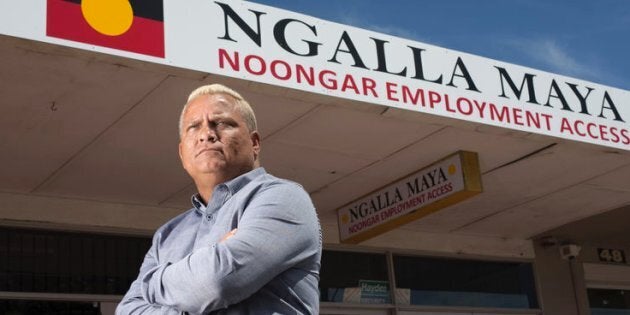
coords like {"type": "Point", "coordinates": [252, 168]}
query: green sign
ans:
{"type": "Point", "coordinates": [374, 292]}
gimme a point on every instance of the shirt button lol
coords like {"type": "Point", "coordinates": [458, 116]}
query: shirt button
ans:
{"type": "Point", "coordinates": [209, 216]}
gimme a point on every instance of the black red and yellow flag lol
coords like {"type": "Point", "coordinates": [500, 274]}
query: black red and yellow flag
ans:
{"type": "Point", "coordinates": [130, 25]}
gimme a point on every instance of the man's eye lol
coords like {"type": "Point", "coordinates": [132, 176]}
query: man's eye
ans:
{"type": "Point", "coordinates": [223, 124]}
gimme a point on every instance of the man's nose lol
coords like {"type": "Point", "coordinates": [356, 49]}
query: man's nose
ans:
{"type": "Point", "coordinates": [208, 134]}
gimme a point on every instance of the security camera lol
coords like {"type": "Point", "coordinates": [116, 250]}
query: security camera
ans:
{"type": "Point", "coordinates": [569, 251]}
{"type": "Point", "coordinates": [548, 241]}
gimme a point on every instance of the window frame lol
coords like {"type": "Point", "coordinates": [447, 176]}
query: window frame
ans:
{"type": "Point", "coordinates": [394, 308]}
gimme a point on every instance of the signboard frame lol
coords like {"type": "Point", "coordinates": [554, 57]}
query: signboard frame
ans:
{"type": "Point", "coordinates": [471, 186]}
{"type": "Point", "coordinates": [258, 43]}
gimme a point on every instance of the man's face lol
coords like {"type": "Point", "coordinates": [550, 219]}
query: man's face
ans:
{"type": "Point", "coordinates": [216, 140]}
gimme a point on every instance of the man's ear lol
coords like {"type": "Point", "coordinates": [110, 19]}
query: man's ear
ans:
{"type": "Point", "coordinates": [181, 158]}
{"type": "Point", "coordinates": [255, 137]}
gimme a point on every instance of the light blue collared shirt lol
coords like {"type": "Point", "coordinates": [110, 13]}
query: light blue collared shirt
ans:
{"type": "Point", "coordinates": [270, 266]}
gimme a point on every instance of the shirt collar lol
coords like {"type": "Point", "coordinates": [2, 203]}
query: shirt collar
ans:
{"type": "Point", "coordinates": [233, 186]}
{"type": "Point", "coordinates": [198, 203]}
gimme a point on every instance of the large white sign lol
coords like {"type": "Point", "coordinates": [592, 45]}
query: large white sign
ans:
{"type": "Point", "coordinates": [264, 44]}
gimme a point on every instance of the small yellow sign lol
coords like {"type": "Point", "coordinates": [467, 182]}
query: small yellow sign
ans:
{"type": "Point", "coordinates": [439, 185]}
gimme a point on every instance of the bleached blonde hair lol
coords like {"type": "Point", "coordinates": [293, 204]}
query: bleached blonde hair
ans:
{"type": "Point", "coordinates": [241, 104]}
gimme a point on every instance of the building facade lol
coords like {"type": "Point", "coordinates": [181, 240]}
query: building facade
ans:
{"type": "Point", "coordinates": [90, 166]}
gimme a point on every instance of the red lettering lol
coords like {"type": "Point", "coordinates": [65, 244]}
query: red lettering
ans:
{"type": "Point", "coordinates": [577, 125]}
{"type": "Point", "coordinates": [589, 126]}
{"type": "Point", "coordinates": [532, 119]}
{"type": "Point", "coordinates": [274, 70]}
{"type": "Point", "coordinates": [603, 132]}
{"type": "Point", "coordinates": [223, 56]}
{"type": "Point", "coordinates": [301, 73]}
{"type": "Point", "coordinates": [434, 98]}
{"type": "Point", "coordinates": [369, 85]}
{"type": "Point", "coordinates": [407, 96]}
{"type": "Point", "coordinates": [439, 191]}
{"type": "Point", "coordinates": [495, 115]}
{"type": "Point", "coordinates": [366, 223]}
{"type": "Point", "coordinates": [565, 125]}
{"type": "Point", "coordinates": [261, 64]}
{"type": "Point", "coordinates": [517, 116]}
{"type": "Point", "coordinates": [467, 109]}
{"type": "Point", "coordinates": [391, 91]}
{"type": "Point", "coordinates": [348, 83]}
{"type": "Point", "coordinates": [448, 105]}
{"type": "Point", "coordinates": [547, 120]}
{"type": "Point", "coordinates": [615, 135]}
{"type": "Point", "coordinates": [326, 81]}
{"type": "Point", "coordinates": [480, 107]}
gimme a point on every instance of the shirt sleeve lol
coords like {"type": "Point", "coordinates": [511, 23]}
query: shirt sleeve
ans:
{"type": "Point", "coordinates": [278, 230]}
{"type": "Point", "coordinates": [133, 303]}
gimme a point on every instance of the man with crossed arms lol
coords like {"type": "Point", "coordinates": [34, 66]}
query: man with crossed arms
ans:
{"type": "Point", "coordinates": [251, 244]}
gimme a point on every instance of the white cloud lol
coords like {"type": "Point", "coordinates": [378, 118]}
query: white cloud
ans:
{"type": "Point", "coordinates": [558, 59]}
{"type": "Point", "coordinates": [393, 30]}
{"type": "Point", "coordinates": [349, 18]}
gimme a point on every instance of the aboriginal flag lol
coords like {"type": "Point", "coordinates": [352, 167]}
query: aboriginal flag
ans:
{"type": "Point", "coordinates": [131, 25]}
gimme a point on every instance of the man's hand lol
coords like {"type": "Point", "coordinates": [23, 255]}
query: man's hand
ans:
{"type": "Point", "coordinates": [228, 235]}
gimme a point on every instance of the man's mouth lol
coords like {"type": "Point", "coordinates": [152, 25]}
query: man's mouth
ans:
{"type": "Point", "coordinates": [209, 150]}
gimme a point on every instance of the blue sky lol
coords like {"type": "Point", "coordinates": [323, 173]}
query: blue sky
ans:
{"type": "Point", "coordinates": [585, 39]}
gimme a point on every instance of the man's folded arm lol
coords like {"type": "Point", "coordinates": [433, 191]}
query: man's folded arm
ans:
{"type": "Point", "coordinates": [133, 303]}
{"type": "Point", "coordinates": [278, 230]}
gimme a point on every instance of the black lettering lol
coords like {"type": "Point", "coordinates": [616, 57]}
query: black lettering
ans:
{"type": "Point", "coordinates": [249, 31]}
{"type": "Point", "coordinates": [279, 33]}
{"type": "Point", "coordinates": [417, 61]}
{"type": "Point", "coordinates": [354, 214]}
{"type": "Point", "coordinates": [363, 210]}
{"type": "Point", "coordinates": [382, 61]}
{"type": "Point", "coordinates": [373, 207]}
{"type": "Point", "coordinates": [380, 202]}
{"type": "Point", "coordinates": [442, 176]}
{"type": "Point", "coordinates": [425, 184]}
{"type": "Point", "coordinates": [464, 74]}
{"type": "Point", "coordinates": [609, 101]}
{"type": "Point", "coordinates": [412, 188]}
{"type": "Point", "coordinates": [528, 80]}
{"type": "Point", "coordinates": [581, 98]}
{"type": "Point", "coordinates": [432, 177]}
{"type": "Point", "coordinates": [350, 48]}
{"type": "Point", "coordinates": [398, 196]}
{"type": "Point", "coordinates": [554, 88]}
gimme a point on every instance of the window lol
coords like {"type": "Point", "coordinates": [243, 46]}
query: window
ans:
{"type": "Point", "coordinates": [84, 263]}
{"type": "Point", "coordinates": [609, 301]}
{"type": "Point", "coordinates": [458, 282]}
{"type": "Point", "coordinates": [67, 262]}
{"type": "Point", "coordinates": [48, 307]}
{"type": "Point", "coordinates": [354, 278]}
